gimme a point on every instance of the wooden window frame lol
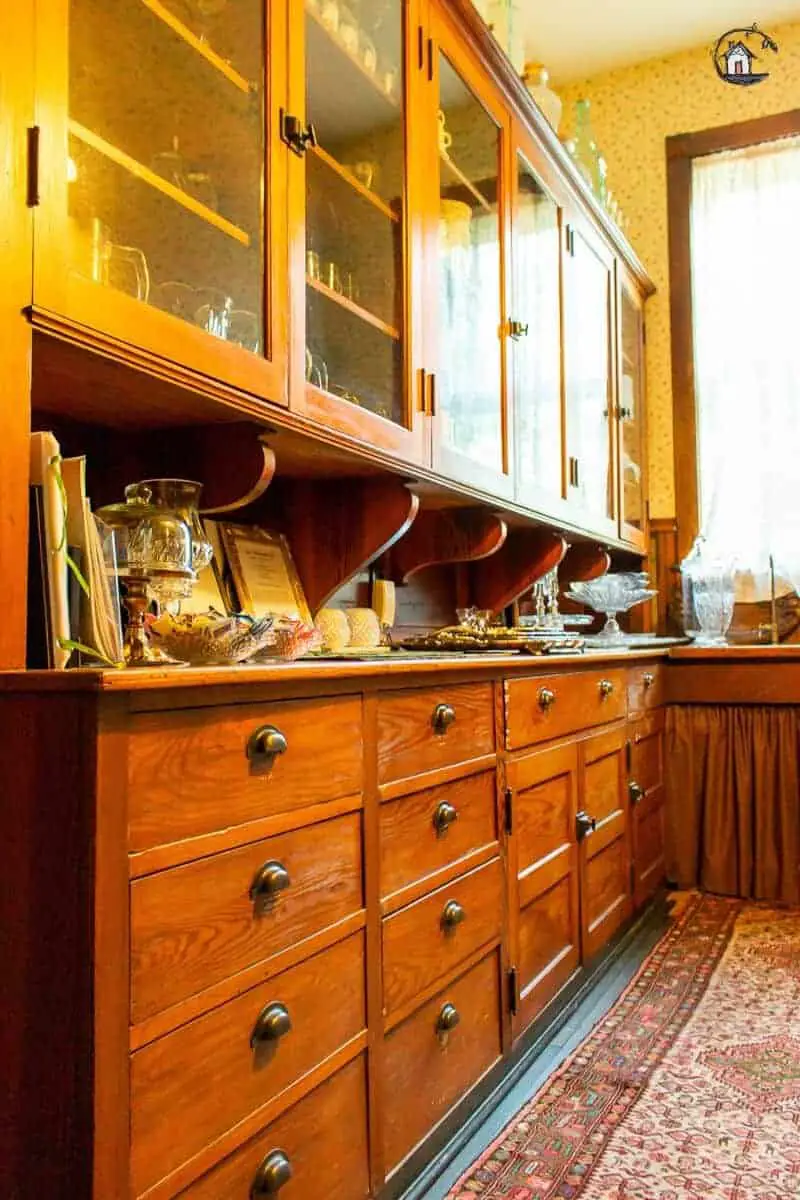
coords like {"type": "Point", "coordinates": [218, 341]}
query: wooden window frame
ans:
{"type": "Point", "coordinates": [682, 149]}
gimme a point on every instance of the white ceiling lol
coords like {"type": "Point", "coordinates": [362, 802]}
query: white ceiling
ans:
{"type": "Point", "coordinates": [577, 38]}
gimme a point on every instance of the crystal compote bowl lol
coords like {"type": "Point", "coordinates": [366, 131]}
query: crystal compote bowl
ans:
{"type": "Point", "coordinates": [612, 594]}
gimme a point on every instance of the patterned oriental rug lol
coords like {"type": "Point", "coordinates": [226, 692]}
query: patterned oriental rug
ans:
{"type": "Point", "coordinates": [689, 1088]}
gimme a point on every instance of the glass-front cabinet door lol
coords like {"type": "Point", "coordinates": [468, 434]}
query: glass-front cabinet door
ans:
{"type": "Point", "coordinates": [468, 137]}
{"type": "Point", "coordinates": [356, 366]}
{"type": "Point", "coordinates": [534, 329]}
{"type": "Point", "coordinates": [631, 413]}
{"type": "Point", "coordinates": [590, 428]}
{"type": "Point", "coordinates": [162, 213]}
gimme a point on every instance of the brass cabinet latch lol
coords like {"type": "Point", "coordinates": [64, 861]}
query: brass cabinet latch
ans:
{"type": "Point", "coordinates": [297, 136]}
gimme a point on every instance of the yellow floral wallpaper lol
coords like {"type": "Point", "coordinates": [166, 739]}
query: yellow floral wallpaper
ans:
{"type": "Point", "coordinates": [633, 110]}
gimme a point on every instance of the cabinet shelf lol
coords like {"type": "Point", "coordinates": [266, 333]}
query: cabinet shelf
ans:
{"type": "Point", "coordinates": [390, 100]}
{"type": "Point", "coordinates": [350, 306]}
{"type": "Point", "coordinates": [355, 184]}
{"type": "Point", "coordinates": [139, 171]}
{"type": "Point", "coordinates": [197, 44]}
{"type": "Point", "coordinates": [464, 181]}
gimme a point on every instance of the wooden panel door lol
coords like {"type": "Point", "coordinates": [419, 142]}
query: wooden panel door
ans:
{"type": "Point", "coordinates": [163, 206]}
{"type": "Point", "coordinates": [468, 131]}
{"type": "Point", "coordinates": [588, 379]}
{"type": "Point", "coordinates": [603, 830]}
{"type": "Point", "coordinates": [543, 877]}
{"type": "Point", "coordinates": [646, 791]}
{"type": "Point", "coordinates": [355, 240]}
{"type": "Point", "coordinates": [631, 413]}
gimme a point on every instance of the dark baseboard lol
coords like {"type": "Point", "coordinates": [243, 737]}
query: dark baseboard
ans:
{"type": "Point", "coordinates": [423, 1168]}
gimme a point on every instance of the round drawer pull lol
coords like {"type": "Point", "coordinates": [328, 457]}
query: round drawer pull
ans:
{"type": "Point", "coordinates": [606, 688]}
{"type": "Point", "coordinates": [264, 745]}
{"type": "Point", "coordinates": [546, 698]}
{"type": "Point", "coordinates": [452, 915]}
{"type": "Point", "coordinates": [648, 679]}
{"type": "Point", "coordinates": [271, 879]}
{"type": "Point", "coordinates": [443, 717]}
{"type": "Point", "coordinates": [274, 1172]}
{"type": "Point", "coordinates": [272, 1024]}
{"type": "Point", "coordinates": [636, 792]}
{"type": "Point", "coordinates": [448, 1019]}
{"type": "Point", "coordinates": [444, 817]}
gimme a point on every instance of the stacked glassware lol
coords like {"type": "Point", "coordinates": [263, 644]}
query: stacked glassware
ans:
{"type": "Point", "coordinates": [612, 594]}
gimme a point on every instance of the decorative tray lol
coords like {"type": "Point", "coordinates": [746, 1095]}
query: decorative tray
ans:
{"type": "Point", "coordinates": [459, 639]}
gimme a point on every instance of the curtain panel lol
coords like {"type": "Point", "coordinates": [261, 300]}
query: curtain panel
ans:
{"type": "Point", "coordinates": [733, 800]}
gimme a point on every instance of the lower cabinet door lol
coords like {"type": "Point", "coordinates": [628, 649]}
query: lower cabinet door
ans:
{"type": "Point", "coordinates": [317, 1148]}
{"type": "Point", "coordinates": [434, 1057]}
{"type": "Point", "coordinates": [646, 791]}
{"type": "Point", "coordinates": [543, 859]}
{"type": "Point", "coordinates": [604, 833]}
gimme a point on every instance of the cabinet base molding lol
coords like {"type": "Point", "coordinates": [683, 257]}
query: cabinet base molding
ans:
{"type": "Point", "coordinates": [424, 1167]}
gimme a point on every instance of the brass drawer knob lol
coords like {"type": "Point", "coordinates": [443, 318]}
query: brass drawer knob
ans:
{"type": "Point", "coordinates": [275, 1171]}
{"type": "Point", "coordinates": [443, 717]}
{"type": "Point", "coordinates": [648, 679]}
{"type": "Point", "coordinates": [448, 1019]}
{"type": "Point", "coordinates": [264, 745]}
{"type": "Point", "coordinates": [636, 792]}
{"type": "Point", "coordinates": [546, 698]}
{"type": "Point", "coordinates": [584, 825]}
{"type": "Point", "coordinates": [606, 688]}
{"type": "Point", "coordinates": [444, 817]}
{"type": "Point", "coordinates": [272, 1024]}
{"type": "Point", "coordinates": [452, 915]}
{"type": "Point", "coordinates": [270, 879]}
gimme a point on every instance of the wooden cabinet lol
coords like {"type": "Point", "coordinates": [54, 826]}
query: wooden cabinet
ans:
{"type": "Point", "coordinates": [630, 412]}
{"type": "Point", "coordinates": [646, 795]}
{"type": "Point", "coordinates": [162, 202]}
{"type": "Point", "coordinates": [604, 833]}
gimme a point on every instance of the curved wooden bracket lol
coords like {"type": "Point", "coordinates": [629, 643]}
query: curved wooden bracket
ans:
{"type": "Point", "coordinates": [450, 535]}
{"type": "Point", "coordinates": [584, 560]}
{"type": "Point", "coordinates": [338, 527]}
{"type": "Point", "coordinates": [526, 556]}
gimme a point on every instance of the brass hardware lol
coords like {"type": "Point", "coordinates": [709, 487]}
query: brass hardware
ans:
{"type": "Point", "coordinates": [448, 1019]}
{"type": "Point", "coordinates": [509, 810]}
{"type": "Point", "coordinates": [423, 391]}
{"type": "Point", "coordinates": [574, 473]}
{"type": "Point", "coordinates": [444, 817]}
{"type": "Point", "coordinates": [606, 688]}
{"type": "Point", "coordinates": [648, 679]}
{"type": "Point", "coordinates": [271, 879]}
{"type": "Point", "coordinates": [275, 1171]}
{"type": "Point", "coordinates": [584, 825]}
{"type": "Point", "coordinates": [513, 991]}
{"type": "Point", "coordinates": [443, 717]}
{"type": "Point", "coordinates": [452, 915]}
{"type": "Point", "coordinates": [432, 392]}
{"type": "Point", "coordinates": [517, 330]}
{"type": "Point", "coordinates": [625, 414]}
{"type": "Point", "coordinates": [33, 198]}
{"type": "Point", "coordinates": [430, 60]}
{"type": "Point", "coordinates": [636, 792]}
{"type": "Point", "coordinates": [546, 698]}
{"type": "Point", "coordinates": [297, 138]}
{"type": "Point", "coordinates": [421, 46]}
{"type": "Point", "coordinates": [272, 1023]}
{"type": "Point", "coordinates": [265, 744]}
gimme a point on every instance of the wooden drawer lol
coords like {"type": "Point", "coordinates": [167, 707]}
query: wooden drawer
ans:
{"type": "Point", "coordinates": [195, 925]}
{"type": "Point", "coordinates": [420, 944]}
{"type": "Point", "coordinates": [189, 772]}
{"type": "Point", "coordinates": [324, 1137]}
{"type": "Point", "coordinates": [192, 1086]}
{"type": "Point", "coordinates": [427, 728]}
{"type": "Point", "coordinates": [550, 706]}
{"type": "Point", "coordinates": [425, 1072]}
{"type": "Point", "coordinates": [645, 687]}
{"type": "Point", "coordinates": [427, 832]}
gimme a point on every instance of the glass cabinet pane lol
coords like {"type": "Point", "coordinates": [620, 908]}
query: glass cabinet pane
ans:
{"type": "Point", "coordinates": [588, 344]}
{"type": "Point", "coordinates": [537, 345]}
{"type": "Point", "coordinates": [631, 414]}
{"type": "Point", "coordinates": [354, 203]}
{"type": "Point", "coordinates": [469, 370]}
{"type": "Point", "coordinates": [166, 157]}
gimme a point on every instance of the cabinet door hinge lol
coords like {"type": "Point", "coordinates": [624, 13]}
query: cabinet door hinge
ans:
{"type": "Point", "coordinates": [33, 166]}
{"type": "Point", "coordinates": [633, 878]}
{"type": "Point", "coordinates": [509, 811]}
{"type": "Point", "coordinates": [421, 47]}
{"type": "Point", "coordinates": [513, 994]}
{"type": "Point", "coordinates": [628, 756]}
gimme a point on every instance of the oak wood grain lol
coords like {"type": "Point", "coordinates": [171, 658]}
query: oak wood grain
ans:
{"type": "Point", "coordinates": [648, 813]}
{"type": "Point", "coordinates": [446, 536]}
{"type": "Point", "coordinates": [580, 701]}
{"type": "Point", "coordinates": [645, 688]}
{"type": "Point", "coordinates": [408, 742]}
{"type": "Point", "coordinates": [606, 890]}
{"type": "Point", "coordinates": [526, 556]}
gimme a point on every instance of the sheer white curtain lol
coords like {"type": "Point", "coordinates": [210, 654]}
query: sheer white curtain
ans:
{"type": "Point", "coordinates": [746, 298]}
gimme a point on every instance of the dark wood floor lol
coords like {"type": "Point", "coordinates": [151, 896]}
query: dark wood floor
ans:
{"type": "Point", "coordinates": [594, 1006]}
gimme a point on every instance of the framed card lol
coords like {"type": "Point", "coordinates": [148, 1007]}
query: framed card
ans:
{"type": "Point", "coordinates": [263, 572]}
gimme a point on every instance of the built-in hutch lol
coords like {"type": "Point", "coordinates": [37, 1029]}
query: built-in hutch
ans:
{"type": "Point", "coordinates": [282, 929]}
